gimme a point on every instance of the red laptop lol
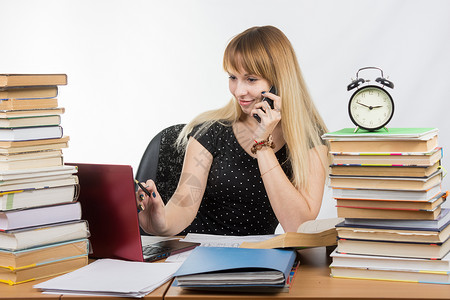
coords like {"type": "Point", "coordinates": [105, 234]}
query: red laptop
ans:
{"type": "Point", "coordinates": [107, 197]}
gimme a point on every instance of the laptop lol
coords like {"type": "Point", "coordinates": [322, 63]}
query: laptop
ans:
{"type": "Point", "coordinates": [107, 197]}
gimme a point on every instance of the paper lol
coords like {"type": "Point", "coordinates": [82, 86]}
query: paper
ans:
{"type": "Point", "coordinates": [211, 240]}
{"type": "Point", "coordinates": [112, 277]}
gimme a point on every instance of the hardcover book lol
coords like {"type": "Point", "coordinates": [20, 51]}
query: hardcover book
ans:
{"type": "Point", "coordinates": [24, 238]}
{"type": "Point", "coordinates": [20, 259]}
{"type": "Point", "coordinates": [398, 234]}
{"type": "Point", "coordinates": [386, 183]}
{"type": "Point", "coordinates": [387, 262]}
{"type": "Point", "coordinates": [31, 133]}
{"type": "Point", "coordinates": [12, 80]}
{"type": "Point", "coordinates": [39, 216]}
{"type": "Point", "coordinates": [441, 221]}
{"type": "Point", "coordinates": [394, 248]}
{"type": "Point", "coordinates": [35, 92]}
{"type": "Point", "coordinates": [391, 195]}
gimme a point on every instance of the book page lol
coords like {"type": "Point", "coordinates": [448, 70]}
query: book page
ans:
{"type": "Point", "coordinates": [320, 225]}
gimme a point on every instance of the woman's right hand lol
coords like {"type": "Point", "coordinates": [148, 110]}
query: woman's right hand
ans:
{"type": "Point", "coordinates": [152, 216]}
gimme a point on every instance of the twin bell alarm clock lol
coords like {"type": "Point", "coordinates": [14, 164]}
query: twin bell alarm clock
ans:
{"type": "Point", "coordinates": [371, 106]}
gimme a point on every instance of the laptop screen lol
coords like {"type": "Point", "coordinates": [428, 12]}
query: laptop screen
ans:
{"type": "Point", "coordinates": [107, 197]}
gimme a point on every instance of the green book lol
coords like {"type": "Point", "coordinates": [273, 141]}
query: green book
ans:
{"type": "Point", "coordinates": [382, 134]}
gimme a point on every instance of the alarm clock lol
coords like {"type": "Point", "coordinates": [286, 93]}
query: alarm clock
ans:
{"type": "Point", "coordinates": [371, 107]}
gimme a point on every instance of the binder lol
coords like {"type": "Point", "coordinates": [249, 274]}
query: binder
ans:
{"type": "Point", "coordinates": [235, 267]}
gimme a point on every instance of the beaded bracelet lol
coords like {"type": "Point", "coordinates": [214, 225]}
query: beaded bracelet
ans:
{"type": "Point", "coordinates": [264, 143]}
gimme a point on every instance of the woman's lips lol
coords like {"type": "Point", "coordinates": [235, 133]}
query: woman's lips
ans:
{"type": "Point", "coordinates": [245, 102]}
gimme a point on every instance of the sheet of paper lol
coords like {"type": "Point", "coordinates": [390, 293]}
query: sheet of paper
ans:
{"type": "Point", "coordinates": [112, 277]}
{"type": "Point", "coordinates": [211, 240]}
{"type": "Point", "coordinates": [150, 239]}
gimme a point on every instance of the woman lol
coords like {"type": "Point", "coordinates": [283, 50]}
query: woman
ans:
{"type": "Point", "coordinates": [248, 166]}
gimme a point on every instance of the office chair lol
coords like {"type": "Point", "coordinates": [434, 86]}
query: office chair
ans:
{"type": "Point", "coordinates": [162, 161]}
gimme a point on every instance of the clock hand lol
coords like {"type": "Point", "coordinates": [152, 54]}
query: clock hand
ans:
{"type": "Point", "coordinates": [370, 107]}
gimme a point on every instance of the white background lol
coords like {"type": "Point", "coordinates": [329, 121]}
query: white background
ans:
{"type": "Point", "coordinates": [136, 67]}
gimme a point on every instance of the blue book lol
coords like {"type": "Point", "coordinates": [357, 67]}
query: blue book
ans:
{"type": "Point", "coordinates": [442, 221]}
{"type": "Point", "coordinates": [224, 268]}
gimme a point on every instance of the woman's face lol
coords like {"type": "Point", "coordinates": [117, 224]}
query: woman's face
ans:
{"type": "Point", "coordinates": [247, 89]}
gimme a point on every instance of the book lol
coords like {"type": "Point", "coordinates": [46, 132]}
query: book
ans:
{"type": "Point", "coordinates": [39, 162]}
{"type": "Point", "coordinates": [313, 233]}
{"type": "Point", "coordinates": [387, 158]}
{"type": "Point", "coordinates": [34, 92]}
{"type": "Point", "coordinates": [14, 186]}
{"type": "Point", "coordinates": [6, 177]}
{"type": "Point", "coordinates": [384, 171]}
{"type": "Point", "coordinates": [30, 160]}
{"type": "Point", "coordinates": [39, 197]}
{"type": "Point", "coordinates": [234, 268]}
{"type": "Point", "coordinates": [387, 262]}
{"type": "Point", "coordinates": [392, 204]}
{"type": "Point", "coordinates": [39, 216]}
{"type": "Point", "coordinates": [12, 80]}
{"type": "Point", "coordinates": [384, 146]}
{"type": "Point", "coordinates": [391, 274]}
{"type": "Point", "coordinates": [394, 248]}
{"type": "Point", "coordinates": [442, 220]}
{"type": "Point", "coordinates": [31, 133]}
{"type": "Point", "coordinates": [30, 122]}
{"type": "Point", "coordinates": [10, 147]}
{"type": "Point", "coordinates": [24, 238]}
{"type": "Point", "coordinates": [386, 183]}
{"type": "Point", "coordinates": [30, 155]}
{"type": "Point", "coordinates": [349, 134]}
{"type": "Point", "coordinates": [4, 114]}
{"type": "Point", "coordinates": [26, 258]}
{"type": "Point", "coordinates": [23, 104]}
{"type": "Point", "coordinates": [394, 195]}
{"type": "Point", "coordinates": [398, 234]}
{"type": "Point", "coordinates": [387, 213]}
{"type": "Point", "coordinates": [44, 270]}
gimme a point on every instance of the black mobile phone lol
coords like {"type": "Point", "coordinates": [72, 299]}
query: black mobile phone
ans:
{"type": "Point", "coordinates": [272, 90]}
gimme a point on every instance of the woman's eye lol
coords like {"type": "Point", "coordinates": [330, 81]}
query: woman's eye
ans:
{"type": "Point", "coordinates": [232, 77]}
{"type": "Point", "coordinates": [251, 79]}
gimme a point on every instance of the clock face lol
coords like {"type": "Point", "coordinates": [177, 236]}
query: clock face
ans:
{"type": "Point", "coordinates": [371, 107]}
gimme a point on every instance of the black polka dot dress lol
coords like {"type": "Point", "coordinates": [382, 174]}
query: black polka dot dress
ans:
{"type": "Point", "coordinates": [235, 200]}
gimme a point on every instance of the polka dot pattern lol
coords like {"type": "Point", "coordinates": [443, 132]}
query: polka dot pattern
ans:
{"type": "Point", "coordinates": [235, 200]}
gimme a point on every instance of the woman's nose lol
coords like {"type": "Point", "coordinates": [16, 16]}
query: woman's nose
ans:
{"type": "Point", "coordinates": [241, 89]}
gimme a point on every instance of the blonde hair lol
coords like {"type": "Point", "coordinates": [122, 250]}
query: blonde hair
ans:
{"type": "Point", "coordinates": [265, 51]}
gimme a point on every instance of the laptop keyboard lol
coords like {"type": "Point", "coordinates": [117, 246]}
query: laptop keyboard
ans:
{"type": "Point", "coordinates": [151, 250]}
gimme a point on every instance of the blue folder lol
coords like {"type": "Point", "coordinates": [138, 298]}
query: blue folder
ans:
{"type": "Point", "coordinates": [223, 259]}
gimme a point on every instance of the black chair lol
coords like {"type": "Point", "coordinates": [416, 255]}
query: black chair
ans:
{"type": "Point", "coordinates": [162, 161]}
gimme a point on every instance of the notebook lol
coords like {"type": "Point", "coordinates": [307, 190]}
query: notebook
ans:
{"type": "Point", "coordinates": [107, 197]}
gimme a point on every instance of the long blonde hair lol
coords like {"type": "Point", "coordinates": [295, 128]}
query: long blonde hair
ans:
{"type": "Point", "coordinates": [265, 51]}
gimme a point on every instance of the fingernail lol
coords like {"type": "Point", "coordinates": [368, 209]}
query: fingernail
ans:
{"type": "Point", "coordinates": [263, 92]}
{"type": "Point", "coordinates": [154, 195]}
{"type": "Point", "coordinates": [141, 196]}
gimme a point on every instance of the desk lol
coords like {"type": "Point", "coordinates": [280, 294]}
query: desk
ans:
{"type": "Point", "coordinates": [26, 291]}
{"type": "Point", "coordinates": [23, 291]}
{"type": "Point", "coordinates": [312, 281]}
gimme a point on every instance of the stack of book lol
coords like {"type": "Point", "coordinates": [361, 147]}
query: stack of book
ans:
{"type": "Point", "coordinates": [41, 231]}
{"type": "Point", "coordinates": [387, 186]}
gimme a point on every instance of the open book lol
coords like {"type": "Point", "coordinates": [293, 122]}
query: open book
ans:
{"type": "Point", "coordinates": [314, 233]}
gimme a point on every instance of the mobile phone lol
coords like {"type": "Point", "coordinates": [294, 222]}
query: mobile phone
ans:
{"type": "Point", "coordinates": [272, 90]}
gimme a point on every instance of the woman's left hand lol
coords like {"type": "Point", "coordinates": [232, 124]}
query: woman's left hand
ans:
{"type": "Point", "coordinates": [269, 117]}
